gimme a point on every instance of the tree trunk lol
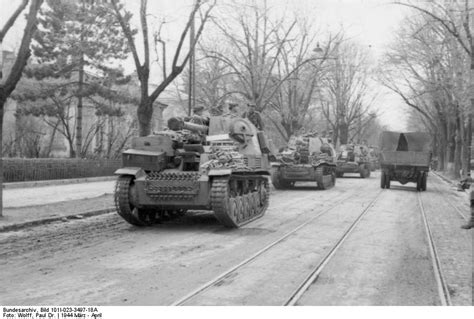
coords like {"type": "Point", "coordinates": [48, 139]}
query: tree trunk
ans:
{"type": "Point", "coordinates": [457, 151]}
{"type": "Point", "coordinates": [79, 109]}
{"type": "Point", "coordinates": [468, 139]}
{"type": "Point", "coordinates": [344, 133]}
{"type": "Point", "coordinates": [144, 114]}
{"type": "Point", "coordinates": [72, 152]}
{"type": "Point", "coordinates": [3, 100]}
{"type": "Point", "coordinates": [51, 140]}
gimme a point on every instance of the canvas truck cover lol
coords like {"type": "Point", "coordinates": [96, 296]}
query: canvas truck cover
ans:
{"type": "Point", "coordinates": [411, 142]}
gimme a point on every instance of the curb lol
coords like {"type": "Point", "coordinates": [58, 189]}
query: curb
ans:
{"type": "Point", "coordinates": [53, 182]}
{"type": "Point", "coordinates": [55, 219]}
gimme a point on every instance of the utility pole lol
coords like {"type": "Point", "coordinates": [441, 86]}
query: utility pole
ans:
{"type": "Point", "coordinates": [192, 71]}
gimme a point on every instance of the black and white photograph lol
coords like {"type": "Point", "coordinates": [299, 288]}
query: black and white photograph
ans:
{"type": "Point", "coordinates": [235, 153]}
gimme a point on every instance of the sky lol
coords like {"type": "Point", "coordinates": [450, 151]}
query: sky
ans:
{"type": "Point", "coordinates": [369, 22]}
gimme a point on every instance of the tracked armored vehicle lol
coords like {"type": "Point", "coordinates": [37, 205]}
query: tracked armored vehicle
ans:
{"type": "Point", "coordinates": [218, 164]}
{"type": "Point", "coordinates": [353, 158]}
{"type": "Point", "coordinates": [305, 159]}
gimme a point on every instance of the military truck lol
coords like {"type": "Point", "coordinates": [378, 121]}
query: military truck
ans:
{"type": "Point", "coordinates": [353, 158]}
{"type": "Point", "coordinates": [219, 164]}
{"type": "Point", "coordinates": [405, 157]}
{"type": "Point", "coordinates": [305, 159]}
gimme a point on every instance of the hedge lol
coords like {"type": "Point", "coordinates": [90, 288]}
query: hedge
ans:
{"type": "Point", "coordinates": [35, 169]}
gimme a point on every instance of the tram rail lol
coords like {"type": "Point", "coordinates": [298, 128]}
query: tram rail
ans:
{"type": "Point", "coordinates": [215, 280]}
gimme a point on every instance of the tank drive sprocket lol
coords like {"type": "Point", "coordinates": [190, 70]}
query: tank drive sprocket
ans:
{"type": "Point", "coordinates": [123, 198]}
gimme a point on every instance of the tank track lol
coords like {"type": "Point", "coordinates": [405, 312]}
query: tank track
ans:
{"type": "Point", "coordinates": [323, 171]}
{"type": "Point", "coordinates": [237, 210]}
{"type": "Point", "coordinates": [126, 210]}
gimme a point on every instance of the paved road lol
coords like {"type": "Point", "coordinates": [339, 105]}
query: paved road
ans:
{"type": "Point", "coordinates": [385, 260]}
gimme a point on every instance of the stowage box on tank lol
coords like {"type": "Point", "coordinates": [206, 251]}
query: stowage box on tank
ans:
{"type": "Point", "coordinates": [306, 158]}
{"type": "Point", "coordinates": [217, 163]}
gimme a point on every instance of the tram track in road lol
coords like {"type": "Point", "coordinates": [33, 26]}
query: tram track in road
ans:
{"type": "Point", "coordinates": [442, 287]}
{"type": "Point", "coordinates": [201, 289]}
{"type": "Point", "coordinates": [314, 274]}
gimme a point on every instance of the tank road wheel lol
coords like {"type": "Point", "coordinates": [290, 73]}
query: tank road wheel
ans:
{"type": "Point", "coordinates": [423, 181]}
{"type": "Point", "coordinates": [382, 180]}
{"type": "Point", "coordinates": [125, 198]}
{"type": "Point", "coordinates": [235, 203]}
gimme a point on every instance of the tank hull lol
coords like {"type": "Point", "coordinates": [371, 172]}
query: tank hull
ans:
{"type": "Point", "coordinates": [285, 176]}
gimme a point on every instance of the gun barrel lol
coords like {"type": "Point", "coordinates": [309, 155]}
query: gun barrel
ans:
{"type": "Point", "coordinates": [195, 127]}
{"type": "Point", "coordinates": [178, 124]}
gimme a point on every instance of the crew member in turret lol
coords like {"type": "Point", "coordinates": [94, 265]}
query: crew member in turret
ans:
{"type": "Point", "coordinates": [254, 116]}
{"type": "Point", "coordinates": [198, 116]}
{"type": "Point", "coordinates": [234, 110]}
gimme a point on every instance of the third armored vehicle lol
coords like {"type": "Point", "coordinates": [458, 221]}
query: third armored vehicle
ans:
{"type": "Point", "coordinates": [217, 164]}
{"type": "Point", "coordinates": [306, 158]}
{"type": "Point", "coordinates": [405, 157]}
{"type": "Point", "coordinates": [353, 158]}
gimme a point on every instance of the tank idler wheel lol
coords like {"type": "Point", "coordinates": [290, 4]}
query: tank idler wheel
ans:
{"type": "Point", "coordinates": [276, 179]}
{"type": "Point", "coordinates": [124, 198]}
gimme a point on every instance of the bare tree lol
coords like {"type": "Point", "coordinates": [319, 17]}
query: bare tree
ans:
{"type": "Point", "coordinates": [252, 46]}
{"type": "Point", "coordinates": [346, 98]}
{"type": "Point", "coordinates": [8, 85]}
{"type": "Point", "coordinates": [455, 19]}
{"type": "Point", "coordinates": [300, 82]}
{"type": "Point", "coordinates": [426, 69]}
{"type": "Point", "coordinates": [145, 107]}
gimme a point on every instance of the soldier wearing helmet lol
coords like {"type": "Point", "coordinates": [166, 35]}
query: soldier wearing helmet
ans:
{"type": "Point", "coordinates": [254, 116]}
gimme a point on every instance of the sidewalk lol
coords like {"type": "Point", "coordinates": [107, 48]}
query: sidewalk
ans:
{"type": "Point", "coordinates": [462, 195]}
{"type": "Point", "coordinates": [35, 205]}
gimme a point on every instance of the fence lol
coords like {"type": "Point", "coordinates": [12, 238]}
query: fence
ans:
{"type": "Point", "coordinates": [20, 169]}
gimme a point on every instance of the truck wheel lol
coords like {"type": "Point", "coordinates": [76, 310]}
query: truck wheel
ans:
{"type": "Point", "coordinates": [423, 182]}
{"type": "Point", "coordinates": [387, 181]}
{"type": "Point", "coordinates": [419, 181]}
{"type": "Point", "coordinates": [382, 180]}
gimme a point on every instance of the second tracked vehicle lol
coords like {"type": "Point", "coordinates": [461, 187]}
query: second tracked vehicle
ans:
{"type": "Point", "coordinates": [306, 158]}
{"type": "Point", "coordinates": [218, 163]}
{"type": "Point", "coordinates": [353, 158]}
